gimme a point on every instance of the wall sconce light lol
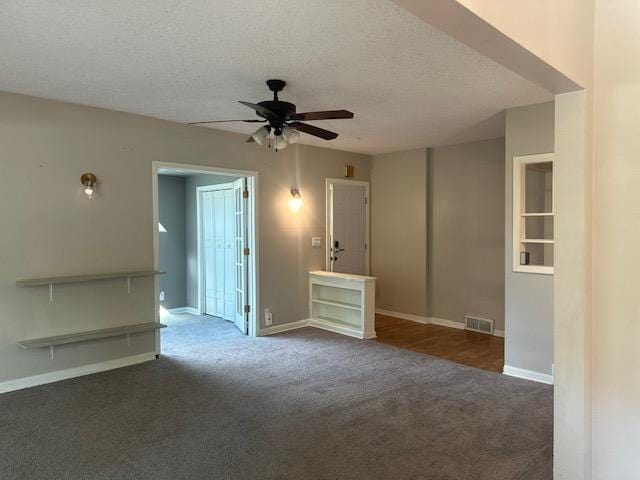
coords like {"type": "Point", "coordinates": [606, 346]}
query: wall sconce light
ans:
{"type": "Point", "coordinates": [348, 171]}
{"type": "Point", "coordinates": [89, 181]}
{"type": "Point", "coordinates": [295, 202]}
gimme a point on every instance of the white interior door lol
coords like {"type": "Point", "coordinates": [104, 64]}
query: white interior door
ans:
{"type": "Point", "coordinates": [218, 237]}
{"type": "Point", "coordinates": [241, 264]}
{"type": "Point", "coordinates": [208, 252]}
{"type": "Point", "coordinates": [348, 227]}
{"type": "Point", "coordinates": [229, 255]}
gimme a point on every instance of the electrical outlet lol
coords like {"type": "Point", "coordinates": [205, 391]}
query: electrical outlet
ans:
{"type": "Point", "coordinates": [162, 296]}
{"type": "Point", "coordinates": [268, 317]}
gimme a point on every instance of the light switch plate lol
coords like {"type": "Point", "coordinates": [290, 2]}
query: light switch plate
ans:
{"type": "Point", "coordinates": [162, 296]}
{"type": "Point", "coordinates": [316, 242]}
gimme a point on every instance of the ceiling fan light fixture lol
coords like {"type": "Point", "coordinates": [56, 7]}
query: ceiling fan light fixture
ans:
{"type": "Point", "coordinates": [260, 135]}
{"type": "Point", "coordinates": [290, 135]}
{"type": "Point", "coordinates": [279, 142]}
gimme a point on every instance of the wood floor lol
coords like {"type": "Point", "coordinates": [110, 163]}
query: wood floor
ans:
{"type": "Point", "coordinates": [468, 348]}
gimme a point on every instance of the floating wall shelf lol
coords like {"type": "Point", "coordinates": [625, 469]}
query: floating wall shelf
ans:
{"type": "Point", "coordinates": [93, 277]}
{"type": "Point", "coordinates": [126, 330]}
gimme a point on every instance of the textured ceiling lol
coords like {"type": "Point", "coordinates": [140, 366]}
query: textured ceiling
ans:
{"type": "Point", "coordinates": [408, 84]}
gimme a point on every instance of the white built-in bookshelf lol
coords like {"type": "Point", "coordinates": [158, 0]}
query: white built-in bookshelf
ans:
{"type": "Point", "coordinates": [343, 303]}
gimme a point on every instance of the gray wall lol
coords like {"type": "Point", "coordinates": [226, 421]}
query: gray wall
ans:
{"type": "Point", "coordinates": [528, 296]}
{"type": "Point", "coordinates": [466, 231]}
{"type": "Point", "coordinates": [399, 231]}
{"type": "Point", "coordinates": [191, 258]}
{"type": "Point", "coordinates": [52, 230]}
{"type": "Point", "coordinates": [171, 214]}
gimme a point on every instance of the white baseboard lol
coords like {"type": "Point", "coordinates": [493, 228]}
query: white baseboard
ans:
{"type": "Point", "coordinates": [283, 328]}
{"type": "Point", "coordinates": [404, 316]}
{"type": "Point", "coordinates": [51, 377]}
{"type": "Point", "coordinates": [183, 310]}
{"type": "Point", "coordinates": [311, 322]}
{"type": "Point", "coordinates": [446, 323]}
{"type": "Point", "coordinates": [430, 320]}
{"type": "Point", "coordinates": [332, 327]}
{"type": "Point", "coordinates": [528, 374]}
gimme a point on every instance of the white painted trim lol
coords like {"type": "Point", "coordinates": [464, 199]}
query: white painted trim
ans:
{"type": "Point", "coordinates": [430, 320]}
{"type": "Point", "coordinates": [404, 316]}
{"type": "Point", "coordinates": [183, 310]}
{"type": "Point", "coordinates": [284, 327]}
{"type": "Point", "coordinates": [518, 214]}
{"type": "Point", "coordinates": [254, 263]}
{"type": "Point", "coordinates": [528, 375]}
{"type": "Point", "coordinates": [446, 323]}
{"type": "Point", "coordinates": [56, 376]}
{"type": "Point", "coordinates": [335, 328]}
{"type": "Point", "coordinates": [328, 221]}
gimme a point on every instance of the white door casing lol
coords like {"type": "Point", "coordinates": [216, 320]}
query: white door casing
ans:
{"type": "Point", "coordinates": [348, 226]}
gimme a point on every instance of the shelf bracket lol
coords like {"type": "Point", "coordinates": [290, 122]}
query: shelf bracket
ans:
{"type": "Point", "coordinates": [128, 340]}
{"type": "Point", "coordinates": [51, 351]}
{"type": "Point", "coordinates": [51, 300]}
{"type": "Point", "coordinates": [128, 285]}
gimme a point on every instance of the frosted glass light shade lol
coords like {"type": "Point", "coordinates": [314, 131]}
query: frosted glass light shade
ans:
{"type": "Point", "coordinates": [290, 135]}
{"type": "Point", "coordinates": [260, 135]}
{"type": "Point", "coordinates": [279, 142]}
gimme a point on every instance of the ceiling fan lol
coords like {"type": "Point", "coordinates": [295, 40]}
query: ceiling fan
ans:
{"type": "Point", "coordinates": [282, 122]}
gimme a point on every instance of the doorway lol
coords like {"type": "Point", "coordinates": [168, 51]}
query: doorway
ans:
{"type": "Point", "coordinates": [347, 226]}
{"type": "Point", "coordinates": [220, 257]}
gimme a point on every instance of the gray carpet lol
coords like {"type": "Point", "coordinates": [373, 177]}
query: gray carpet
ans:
{"type": "Point", "coordinates": [305, 404]}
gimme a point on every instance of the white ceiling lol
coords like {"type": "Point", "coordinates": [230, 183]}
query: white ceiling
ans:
{"type": "Point", "coordinates": [408, 84]}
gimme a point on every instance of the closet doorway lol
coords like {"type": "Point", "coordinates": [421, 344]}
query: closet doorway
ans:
{"type": "Point", "coordinates": [206, 244]}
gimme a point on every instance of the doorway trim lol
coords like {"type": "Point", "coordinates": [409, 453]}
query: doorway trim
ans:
{"type": "Point", "coordinates": [329, 219]}
{"type": "Point", "coordinates": [253, 243]}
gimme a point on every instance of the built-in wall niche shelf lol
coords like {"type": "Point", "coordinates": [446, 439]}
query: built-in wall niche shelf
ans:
{"type": "Point", "coordinates": [342, 303]}
{"type": "Point", "coordinates": [126, 330]}
{"type": "Point", "coordinates": [92, 277]}
{"type": "Point", "coordinates": [533, 214]}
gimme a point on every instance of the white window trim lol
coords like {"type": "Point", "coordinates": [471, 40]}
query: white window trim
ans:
{"type": "Point", "coordinates": [518, 211]}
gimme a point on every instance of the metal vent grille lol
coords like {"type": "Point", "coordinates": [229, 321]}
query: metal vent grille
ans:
{"type": "Point", "coordinates": [477, 324]}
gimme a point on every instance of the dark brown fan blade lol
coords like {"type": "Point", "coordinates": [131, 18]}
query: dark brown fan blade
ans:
{"type": "Point", "coordinates": [225, 121]}
{"type": "Point", "coordinates": [313, 130]}
{"type": "Point", "coordinates": [262, 111]}
{"type": "Point", "coordinates": [326, 115]}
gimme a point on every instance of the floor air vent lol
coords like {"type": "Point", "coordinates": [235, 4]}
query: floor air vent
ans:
{"type": "Point", "coordinates": [477, 324]}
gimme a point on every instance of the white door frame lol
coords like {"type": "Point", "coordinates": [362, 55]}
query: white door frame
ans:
{"type": "Point", "coordinates": [254, 272]}
{"type": "Point", "coordinates": [200, 255]}
{"type": "Point", "coordinates": [329, 219]}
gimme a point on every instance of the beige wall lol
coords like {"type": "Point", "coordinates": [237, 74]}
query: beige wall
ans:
{"type": "Point", "coordinates": [560, 32]}
{"type": "Point", "coordinates": [49, 229]}
{"type": "Point", "coordinates": [399, 231]}
{"type": "Point", "coordinates": [466, 231]}
{"type": "Point", "coordinates": [616, 413]}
